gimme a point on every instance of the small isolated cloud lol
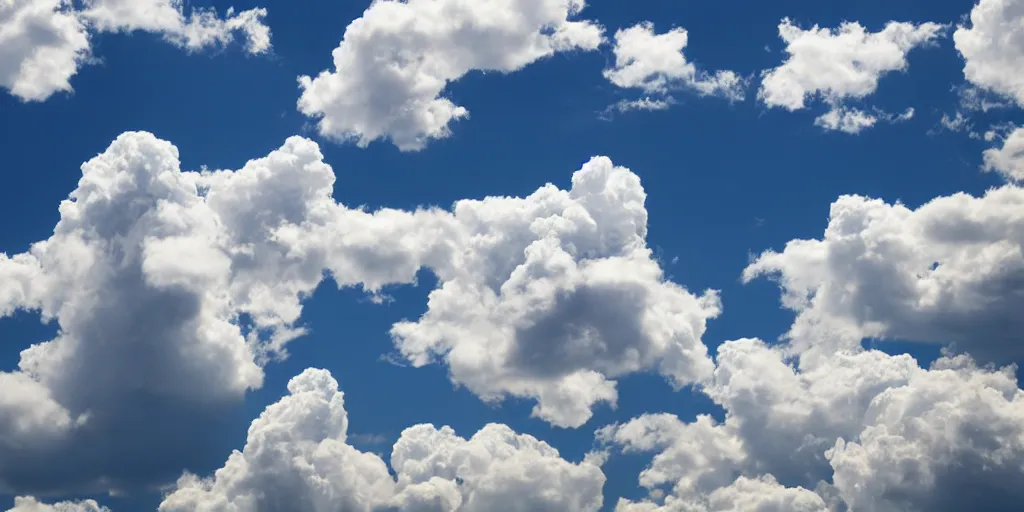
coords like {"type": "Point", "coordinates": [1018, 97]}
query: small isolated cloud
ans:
{"type": "Point", "coordinates": [655, 64]}
{"type": "Point", "coordinates": [993, 48]}
{"type": "Point", "coordinates": [949, 272]}
{"type": "Point", "coordinates": [837, 66]}
{"type": "Point", "coordinates": [394, 63]}
{"type": "Point", "coordinates": [853, 120]}
{"type": "Point", "coordinates": [44, 42]}
{"type": "Point", "coordinates": [1007, 160]}
{"type": "Point", "coordinates": [858, 430]}
{"type": "Point", "coordinates": [297, 457]}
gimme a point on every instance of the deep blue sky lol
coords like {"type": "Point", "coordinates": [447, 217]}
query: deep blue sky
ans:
{"type": "Point", "coordinates": [724, 179]}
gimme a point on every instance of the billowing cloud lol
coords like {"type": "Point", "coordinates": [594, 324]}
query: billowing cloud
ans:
{"type": "Point", "coordinates": [554, 295]}
{"type": "Point", "coordinates": [993, 47]}
{"type": "Point", "coordinates": [948, 272]}
{"type": "Point", "coordinates": [394, 63]}
{"type": "Point", "coordinates": [655, 64]}
{"type": "Point", "coordinates": [863, 430]}
{"type": "Point", "coordinates": [839, 65]}
{"type": "Point", "coordinates": [44, 42]}
{"type": "Point", "coordinates": [29, 504]}
{"type": "Point", "coordinates": [1008, 159]}
{"type": "Point", "coordinates": [297, 457]}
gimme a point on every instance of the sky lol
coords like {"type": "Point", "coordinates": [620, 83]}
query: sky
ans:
{"type": "Point", "coordinates": [511, 255]}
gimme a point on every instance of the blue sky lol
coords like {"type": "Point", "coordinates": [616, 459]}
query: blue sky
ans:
{"type": "Point", "coordinates": [726, 179]}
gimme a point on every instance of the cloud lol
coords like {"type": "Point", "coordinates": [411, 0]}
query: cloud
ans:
{"type": "Point", "coordinates": [29, 504]}
{"type": "Point", "coordinates": [655, 64]}
{"type": "Point", "coordinates": [394, 63]}
{"type": "Point", "coordinates": [993, 48]}
{"type": "Point", "coordinates": [853, 120]}
{"type": "Point", "coordinates": [948, 272]}
{"type": "Point", "coordinates": [148, 275]}
{"type": "Point", "coordinates": [555, 295]}
{"type": "Point", "coordinates": [1007, 160]}
{"type": "Point", "coordinates": [839, 65]}
{"type": "Point", "coordinates": [41, 48]}
{"type": "Point", "coordinates": [45, 42]}
{"type": "Point", "coordinates": [297, 457]}
{"type": "Point", "coordinates": [861, 429]}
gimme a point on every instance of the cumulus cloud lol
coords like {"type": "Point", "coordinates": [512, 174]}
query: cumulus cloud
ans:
{"type": "Point", "coordinates": [993, 47]}
{"type": "Point", "coordinates": [44, 42]}
{"type": "Point", "coordinates": [839, 65]}
{"type": "Point", "coordinates": [860, 430]}
{"type": "Point", "coordinates": [30, 504]}
{"type": "Point", "coordinates": [296, 457]}
{"type": "Point", "coordinates": [655, 64]}
{"type": "Point", "coordinates": [948, 272]}
{"type": "Point", "coordinates": [1008, 160]}
{"type": "Point", "coordinates": [394, 63]}
{"type": "Point", "coordinates": [555, 295]}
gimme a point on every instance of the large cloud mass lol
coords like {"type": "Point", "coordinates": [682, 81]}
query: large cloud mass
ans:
{"type": "Point", "coordinates": [950, 272]}
{"type": "Point", "coordinates": [394, 63]}
{"type": "Point", "coordinates": [863, 430]}
{"type": "Point", "coordinates": [44, 42]}
{"type": "Point", "coordinates": [840, 65]}
{"type": "Point", "coordinates": [297, 457]}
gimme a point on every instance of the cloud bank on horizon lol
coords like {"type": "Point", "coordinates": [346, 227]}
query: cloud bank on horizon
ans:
{"type": "Point", "coordinates": [174, 291]}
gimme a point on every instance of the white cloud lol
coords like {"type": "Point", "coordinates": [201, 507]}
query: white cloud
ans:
{"type": "Point", "coordinates": [948, 272]}
{"type": "Point", "coordinates": [993, 47]}
{"type": "Point", "coordinates": [195, 30]}
{"type": "Point", "coordinates": [860, 429]}
{"type": "Point", "coordinates": [1008, 160]}
{"type": "Point", "coordinates": [839, 65]}
{"type": "Point", "coordinates": [30, 504]}
{"type": "Point", "coordinates": [555, 295]}
{"type": "Point", "coordinates": [297, 457]}
{"type": "Point", "coordinates": [655, 64]}
{"type": "Point", "coordinates": [394, 63]}
{"type": "Point", "coordinates": [44, 42]}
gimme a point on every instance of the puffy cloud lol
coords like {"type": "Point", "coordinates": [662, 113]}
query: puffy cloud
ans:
{"type": "Point", "coordinates": [44, 42]}
{"type": "Point", "coordinates": [655, 64]}
{"type": "Point", "coordinates": [29, 504]}
{"type": "Point", "coordinates": [41, 46]}
{"type": "Point", "coordinates": [554, 295]}
{"type": "Point", "coordinates": [198, 29]}
{"type": "Point", "coordinates": [394, 63]}
{"type": "Point", "coordinates": [1008, 160]}
{"type": "Point", "coordinates": [296, 457]}
{"type": "Point", "coordinates": [949, 272]}
{"type": "Point", "coordinates": [993, 47]}
{"type": "Point", "coordinates": [839, 65]}
{"type": "Point", "coordinates": [863, 430]}
{"type": "Point", "coordinates": [148, 274]}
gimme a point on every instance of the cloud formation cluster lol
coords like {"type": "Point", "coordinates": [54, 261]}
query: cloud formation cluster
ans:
{"type": "Point", "coordinates": [43, 43]}
{"type": "Point", "coordinates": [297, 457]}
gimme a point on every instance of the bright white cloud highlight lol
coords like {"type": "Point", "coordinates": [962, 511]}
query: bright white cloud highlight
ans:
{"type": "Point", "coordinates": [993, 47]}
{"type": "Point", "coordinates": [43, 43]}
{"type": "Point", "coordinates": [394, 63]}
{"type": "Point", "coordinates": [655, 64]}
{"type": "Point", "coordinates": [29, 504]}
{"type": "Point", "coordinates": [951, 272]}
{"type": "Point", "coordinates": [838, 66]}
{"type": "Point", "coordinates": [1008, 160]}
{"type": "Point", "coordinates": [297, 457]}
{"type": "Point", "coordinates": [861, 429]}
